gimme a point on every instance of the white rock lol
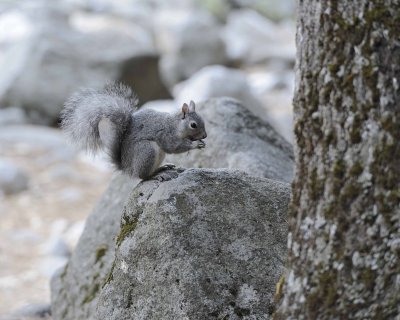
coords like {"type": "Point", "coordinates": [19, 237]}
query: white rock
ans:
{"type": "Point", "coordinates": [276, 10]}
{"type": "Point", "coordinates": [12, 116]}
{"type": "Point", "coordinates": [63, 171]}
{"type": "Point", "coordinates": [34, 135]}
{"type": "Point", "coordinates": [32, 311]}
{"type": "Point", "coordinates": [252, 38]}
{"type": "Point", "coordinates": [262, 81]}
{"type": "Point", "coordinates": [282, 121]}
{"type": "Point", "coordinates": [73, 233]}
{"type": "Point", "coordinates": [13, 179]}
{"type": "Point", "coordinates": [276, 89]}
{"type": "Point", "coordinates": [169, 106]}
{"type": "Point", "coordinates": [49, 265]}
{"type": "Point", "coordinates": [129, 7]}
{"type": "Point", "coordinates": [70, 195]}
{"type": "Point", "coordinates": [49, 59]}
{"type": "Point", "coordinates": [57, 247]}
{"type": "Point", "coordinates": [188, 42]}
{"type": "Point", "coordinates": [14, 25]}
{"type": "Point", "coordinates": [24, 236]}
{"type": "Point", "coordinates": [31, 138]}
{"type": "Point", "coordinates": [219, 81]}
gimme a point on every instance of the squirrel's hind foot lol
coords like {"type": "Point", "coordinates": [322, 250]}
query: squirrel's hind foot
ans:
{"type": "Point", "coordinates": [167, 166]}
{"type": "Point", "coordinates": [161, 173]}
{"type": "Point", "coordinates": [166, 174]}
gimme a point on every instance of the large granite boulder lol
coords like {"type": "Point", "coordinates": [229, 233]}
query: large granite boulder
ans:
{"type": "Point", "coordinates": [202, 244]}
{"type": "Point", "coordinates": [237, 139]}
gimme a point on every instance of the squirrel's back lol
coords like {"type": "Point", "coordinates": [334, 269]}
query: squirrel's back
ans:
{"type": "Point", "coordinates": [86, 109]}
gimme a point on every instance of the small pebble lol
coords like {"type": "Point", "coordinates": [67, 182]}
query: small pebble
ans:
{"type": "Point", "coordinates": [12, 178]}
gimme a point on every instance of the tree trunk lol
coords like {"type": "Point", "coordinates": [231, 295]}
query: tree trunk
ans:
{"type": "Point", "coordinates": [344, 240]}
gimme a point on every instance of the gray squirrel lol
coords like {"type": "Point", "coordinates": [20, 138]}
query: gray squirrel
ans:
{"type": "Point", "coordinates": [135, 139]}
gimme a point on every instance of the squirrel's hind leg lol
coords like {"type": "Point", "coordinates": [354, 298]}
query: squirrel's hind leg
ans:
{"type": "Point", "coordinates": [161, 174]}
{"type": "Point", "coordinates": [165, 166]}
{"type": "Point", "coordinates": [147, 157]}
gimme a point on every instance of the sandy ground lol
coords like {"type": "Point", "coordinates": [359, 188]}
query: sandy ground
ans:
{"type": "Point", "coordinates": [40, 225]}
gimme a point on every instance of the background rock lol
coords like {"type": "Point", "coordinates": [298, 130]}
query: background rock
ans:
{"type": "Point", "coordinates": [170, 106]}
{"type": "Point", "coordinates": [251, 38]}
{"type": "Point", "coordinates": [38, 138]}
{"type": "Point", "coordinates": [31, 312]}
{"type": "Point", "coordinates": [187, 249]}
{"type": "Point", "coordinates": [188, 42]}
{"type": "Point", "coordinates": [12, 178]}
{"type": "Point", "coordinates": [131, 8]}
{"type": "Point", "coordinates": [12, 116]}
{"type": "Point", "coordinates": [219, 81]}
{"type": "Point", "coordinates": [275, 89]}
{"type": "Point", "coordinates": [275, 10]}
{"type": "Point", "coordinates": [239, 140]}
{"type": "Point", "coordinates": [142, 74]}
{"type": "Point", "coordinates": [42, 68]}
{"type": "Point", "coordinates": [56, 246]}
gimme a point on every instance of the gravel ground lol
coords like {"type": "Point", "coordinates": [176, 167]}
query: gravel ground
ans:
{"type": "Point", "coordinates": [41, 225]}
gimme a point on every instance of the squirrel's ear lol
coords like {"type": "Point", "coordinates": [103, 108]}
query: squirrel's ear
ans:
{"type": "Point", "coordinates": [192, 107]}
{"type": "Point", "coordinates": [185, 110]}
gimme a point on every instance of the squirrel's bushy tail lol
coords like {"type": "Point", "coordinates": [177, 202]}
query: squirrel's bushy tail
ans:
{"type": "Point", "coordinates": [84, 110]}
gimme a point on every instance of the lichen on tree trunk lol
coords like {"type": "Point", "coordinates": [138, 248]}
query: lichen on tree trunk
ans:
{"type": "Point", "coordinates": [344, 240]}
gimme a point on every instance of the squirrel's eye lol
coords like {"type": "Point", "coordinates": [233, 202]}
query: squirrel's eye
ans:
{"type": "Point", "coordinates": [193, 125]}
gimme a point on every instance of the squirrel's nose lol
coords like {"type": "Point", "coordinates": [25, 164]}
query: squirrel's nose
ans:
{"type": "Point", "coordinates": [204, 136]}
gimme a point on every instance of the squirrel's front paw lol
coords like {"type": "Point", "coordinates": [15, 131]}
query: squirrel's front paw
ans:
{"type": "Point", "coordinates": [200, 144]}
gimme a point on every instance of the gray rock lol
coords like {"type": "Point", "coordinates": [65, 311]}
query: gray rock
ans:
{"type": "Point", "coordinates": [129, 8]}
{"type": "Point", "coordinates": [70, 195]}
{"type": "Point", "coordinates": [188, 42]}
{"type": "Point", "coordinates": [12, 116]}
{"type": "Point", "coordinates": [49, 265]}
{"type": "Point", "coordinates": [142, 74]}
{"type": "Point", "coordinates": [265, 80]}
{"type": "Point", "coordinates": [239, 140]}
{"type": "Point", "coordinates": [56, 246]}
{"type": "Point", "coordinates": [62, 171]}
{"type": "Point", "coordinates": [31, 311]}
{"type": "Point", "coordinates": [203, 244]}
{"type": "Point", "coordinates": [252, 38]}
{"type": "Point", "coordinates": [38, 138]}
{"type": "Point", "coordinates": [72, 287]}
{"type": "Point", "coordinates": [123, 16]}
{"type": "Point", "coordinates": [275, 10]}
{"type": "Point", "coordinates": [73, 233]}
{"type": "Point", "coordinates": [219, 81]}
{"type": "Point", "coordinates": [276, 91]}
{"type": "Point", "coordinates": [169, 106]}
{"type": "Point", "coordinates": [53, 59]}
{"type": "Point", "coordinates": [13, 179]}
{"type": "Point", "coordinates": [24, 237]}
